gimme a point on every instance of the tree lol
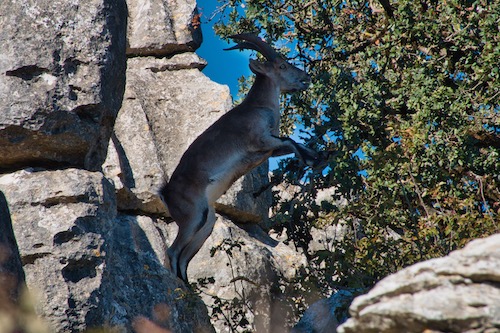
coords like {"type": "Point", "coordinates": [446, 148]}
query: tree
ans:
{"type": "Point", "coordinates": [407, 105]}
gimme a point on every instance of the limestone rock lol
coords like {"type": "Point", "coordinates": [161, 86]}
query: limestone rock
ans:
{"type": "Point", "coordinates": [90, 267]}
{"type": "Point", "coordinates": [318, 318]}
{"type": "Point", "coordinates": [61, 220]}
{"type": "Point", "coordinates": [132, 161]}
{"type": "Point", "coordinates": [91, 263]}
{"type": "Point", "coordinates": [324, 315]}
{"type": "Point", "coordinates": [179, 104]}
{"type": "Point", "coordinates": [163, 27]}
{"type": "Point", "coordinates": [62, 77]}
{"type": "Point", "coordinates": [168, 103]}
{"type": "Point", "coordinates": [16, 309]}
{"type": "Point", "coordinates": [456, 293]}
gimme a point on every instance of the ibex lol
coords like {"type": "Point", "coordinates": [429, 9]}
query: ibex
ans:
{"type": "Point", "coordinates": [237, 142]}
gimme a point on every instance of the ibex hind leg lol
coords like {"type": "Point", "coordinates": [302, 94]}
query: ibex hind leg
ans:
{"type": "Point", "coordinates": [189, 251]}
{"type": "Point", "coordinates": [189, 224]}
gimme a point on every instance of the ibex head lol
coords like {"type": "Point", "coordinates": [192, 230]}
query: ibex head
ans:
{"type": "Point", "coordinates": [289, 77]}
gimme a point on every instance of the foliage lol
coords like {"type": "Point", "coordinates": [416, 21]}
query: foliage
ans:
{"type": "Point", "coordinates": [407, 107]}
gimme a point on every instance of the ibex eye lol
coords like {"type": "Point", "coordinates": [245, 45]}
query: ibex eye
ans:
{"type": "Point", "coordinates": [283, 66]}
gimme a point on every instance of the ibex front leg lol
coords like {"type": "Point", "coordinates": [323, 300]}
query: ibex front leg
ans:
{"type": "Point", "coordinates": [286, 146]}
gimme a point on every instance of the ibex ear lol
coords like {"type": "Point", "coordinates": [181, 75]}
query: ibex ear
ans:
{"type": "Point", "coordinates": [258, 67]}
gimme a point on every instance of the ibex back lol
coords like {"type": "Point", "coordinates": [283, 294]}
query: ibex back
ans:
{"type": "Point", "coordinates": [240, 140]}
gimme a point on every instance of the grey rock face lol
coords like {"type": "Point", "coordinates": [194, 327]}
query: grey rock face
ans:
{"type": "Point", "coordinates": [456, 293]}
{"type": "Point", "coordinates": [83, 243]}
{"type": "Point", "coordinates": [179, 105]}
{"type": "Point", "coordinates": [318, 318]}
{"type": "Point", "coordinates": [133, 161]}
{"type": "Point", "coordinates": [62, 77]}
{"type": "Point", "coordinates": [168, 103]}
{"type": "Point", "coordinates": [90, 267]}
{"type": "Point", "coordinates": [61, 220]}
{"type": "Point", "coordinates": [161, 27]}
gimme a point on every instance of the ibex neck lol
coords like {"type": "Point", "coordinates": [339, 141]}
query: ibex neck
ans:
{"type": "Point", "coordinates": [264, 93]}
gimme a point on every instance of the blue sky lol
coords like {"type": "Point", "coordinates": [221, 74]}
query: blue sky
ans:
{"type": "Point", "coordinates": [223, 67]}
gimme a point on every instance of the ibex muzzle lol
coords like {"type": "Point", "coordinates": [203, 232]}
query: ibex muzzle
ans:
{"type": "Point", "coordinates": [240, 140]}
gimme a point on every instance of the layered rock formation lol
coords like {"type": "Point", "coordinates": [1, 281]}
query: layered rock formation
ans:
{"type": "Point", "coordinates": [62, 70]}
{"type": "Point", "coordinates": [456, 293]}
{"type": "Point", "coordinates": [95, 113]}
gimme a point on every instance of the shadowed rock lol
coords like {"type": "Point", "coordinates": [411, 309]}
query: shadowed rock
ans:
{"type": "Point", "coordinates": [62, 78]}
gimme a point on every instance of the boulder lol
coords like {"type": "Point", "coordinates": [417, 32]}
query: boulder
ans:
{"type": "Point", "coordinates": [318, 318]}
{"type": "Point", "coordinates": [89, 267]}
{"type": "Point", "coordinates": [62, 220]}
{"type": "Point", "coordinates": [163, 27]}
{"type": "Point", "coordinates": [456, 293]}
{"type": "Point", "coordinates": [324, 315]}
{"type": "Point", "coordinates": [62, 77]}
